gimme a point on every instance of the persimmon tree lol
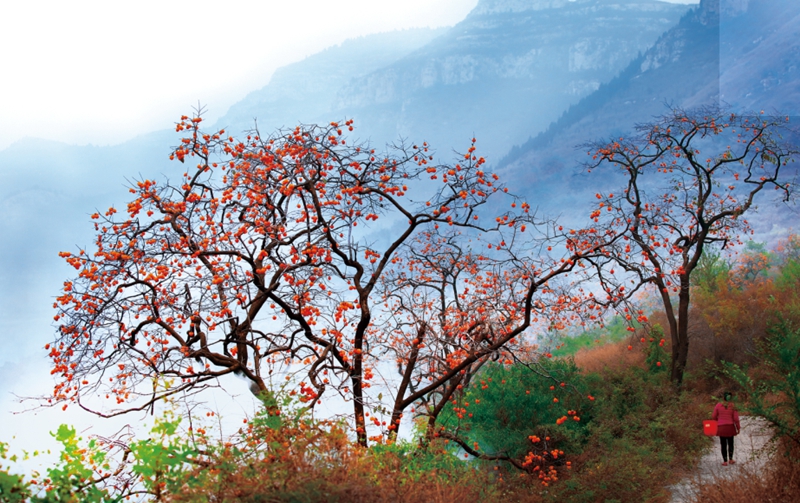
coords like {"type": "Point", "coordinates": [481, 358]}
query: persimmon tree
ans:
{"type": "Point", "coordinates": [300, 252]}
{"type": "Point", "coordinates": [689, 179]}
{"type": "Point", "coordinates": [453, 309]}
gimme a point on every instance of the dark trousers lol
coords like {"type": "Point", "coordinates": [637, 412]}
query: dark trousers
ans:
{"type": "Point", "coordinates": [727, 447]}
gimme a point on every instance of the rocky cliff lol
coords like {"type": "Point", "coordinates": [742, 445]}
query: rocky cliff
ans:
{"type": "Point", "coordinates": [504, 73]}
{"type": "Point", "coordinates": [508, 70]}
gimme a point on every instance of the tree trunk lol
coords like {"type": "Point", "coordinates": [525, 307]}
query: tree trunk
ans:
{"type": "Point", "coordinates": [674, 336]}
{"type": "Point", "coordinates": [356, 377]}
{"type": "Point", "coordinates": [358, 410]}
{"type": "Point", "coordinates": [433, 415]}
{"type": "Point", "coordinates": [680, 348]}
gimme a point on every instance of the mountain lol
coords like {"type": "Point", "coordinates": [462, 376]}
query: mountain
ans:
{"type": "Point", "coordinates": [760, 55]}
{"type": "Point", "coordinates": [306, 91]}
{"type": "Point", "coordinates": [737, 53]}
{"type": "Point", "coordinates": [504, 73]}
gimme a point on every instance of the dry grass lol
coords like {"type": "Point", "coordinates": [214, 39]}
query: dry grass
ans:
{"type": "Point", "coordinates": [308, 462]}
{"type": "Point", "coordinates": [612, 356]}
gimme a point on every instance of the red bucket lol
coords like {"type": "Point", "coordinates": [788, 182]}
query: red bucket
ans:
{"type": "Point", "coordinates": [710, 427]}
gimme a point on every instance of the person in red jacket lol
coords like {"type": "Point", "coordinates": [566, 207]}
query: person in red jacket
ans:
{"type": "Point", "coordinates": [727, 426]}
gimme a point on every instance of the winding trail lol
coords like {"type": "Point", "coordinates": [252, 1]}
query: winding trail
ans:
{"type": "Point", "coordinates": [749, 454]}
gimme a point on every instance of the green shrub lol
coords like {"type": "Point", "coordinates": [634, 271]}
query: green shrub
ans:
{"type": "Point", "coordinates": [13, 488]}
{"type": "Point", "coordinates": [77, 476]}
{"type": "Point", "coordinates": [533, 413]}
{"type": "Point", "coordinates": [643, 431]}
{"type": "Point", "coordinates": [656, 358]}
{"type": "Point", "coordinates": [635, 431]}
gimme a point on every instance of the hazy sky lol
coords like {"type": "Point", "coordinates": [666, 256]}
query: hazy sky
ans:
{"type": "Point", "coordinates": [102, 72]}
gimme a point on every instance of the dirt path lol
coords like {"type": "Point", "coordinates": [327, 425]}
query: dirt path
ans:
{"type": "Point", "coordinates": [748, 452]}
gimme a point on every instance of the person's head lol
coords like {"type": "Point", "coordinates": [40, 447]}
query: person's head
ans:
{"type": "Point", "coordinates": [727, 396]}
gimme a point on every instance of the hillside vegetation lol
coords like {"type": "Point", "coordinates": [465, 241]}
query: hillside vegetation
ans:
{"type": "Point", "coordinates": [599, 421]}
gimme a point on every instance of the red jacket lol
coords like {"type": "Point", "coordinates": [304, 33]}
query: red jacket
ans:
{"type": "Point", "coordinates": [727, 415]}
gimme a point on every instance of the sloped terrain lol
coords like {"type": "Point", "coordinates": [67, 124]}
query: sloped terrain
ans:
{"type": "Point", "coordinates": [735, 53]}
{"type": "Point", "coordinates": [306, 91]}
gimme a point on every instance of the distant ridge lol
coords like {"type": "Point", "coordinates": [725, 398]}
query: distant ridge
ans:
{"type": "Point", "coordinates": [502, 74]}
{"type": "Point", "coordinates": [573, 114]}
{"type": "Point", "coordinates": [650, 81]}
{"type": "Point", "coordinates": [305, 91]}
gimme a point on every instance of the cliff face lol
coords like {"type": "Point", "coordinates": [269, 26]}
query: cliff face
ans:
{"type": "Point", "coordinates": [505, 72]}
{"type": "Point", "coordinates": [498, 6]}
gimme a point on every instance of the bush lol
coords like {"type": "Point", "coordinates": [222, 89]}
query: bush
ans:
{"type": "Point", "coordinates": [12, 486]}
{"type": "Point", "coordinates": [633, 434]}
{"type": "Point", "coordinates": [532, 413]}
{"type": "Point", "coordinates": [643, 434]}
{"type": "Point", "coordinates": [613, 331]}
{"type": "Point", "coordinates": [81, 474]}
{"type": "Point", "coordinates": [636, 432]}
{"type": "Point", "coordinates": [281, 455]}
